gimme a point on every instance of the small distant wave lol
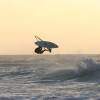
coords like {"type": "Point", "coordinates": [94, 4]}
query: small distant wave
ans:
{"type": "Point", "coordinates": [44, 98]}
{"type": "Point", "coordinates": [13, 98]}
{"type": "Point", "coordinates": [60, 98]}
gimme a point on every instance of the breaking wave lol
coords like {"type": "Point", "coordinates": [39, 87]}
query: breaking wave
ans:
{"type": "Point", "coordinates": [48, 70]}
{"type": "Point", "coordinates": [87, 70]}
{"type": "Point", "coordinates": [56, 77]}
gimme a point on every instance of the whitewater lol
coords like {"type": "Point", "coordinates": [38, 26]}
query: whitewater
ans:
{"type": "Point", "coordinates": [50, 77]}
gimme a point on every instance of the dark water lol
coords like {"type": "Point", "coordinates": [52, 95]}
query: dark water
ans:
{"type": "Point", "coordinates": [56, 77]}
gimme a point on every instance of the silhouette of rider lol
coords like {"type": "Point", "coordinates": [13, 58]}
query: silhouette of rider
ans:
{"type": "Point", "coordinates": [39, 50]}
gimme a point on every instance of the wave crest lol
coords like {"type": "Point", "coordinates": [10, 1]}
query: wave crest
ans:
{"type": "Point", "coordinates": [87, 70]}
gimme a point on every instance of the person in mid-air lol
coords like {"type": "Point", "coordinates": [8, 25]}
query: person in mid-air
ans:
{"type": "Point", "coordinates": [44, 45]}
{"type": "Point", "coordinates": [39, 50]}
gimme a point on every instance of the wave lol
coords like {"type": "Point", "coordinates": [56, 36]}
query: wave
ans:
{"type": "Point", "coordinates": [87, 70]}
{"type": "Point", "coordinates": [53, 70]}
{"type": "Point", "coordinates": [43, 98]}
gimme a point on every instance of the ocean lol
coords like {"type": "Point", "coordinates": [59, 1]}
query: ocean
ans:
{"type": "Point", "coordinates": [50, 77]}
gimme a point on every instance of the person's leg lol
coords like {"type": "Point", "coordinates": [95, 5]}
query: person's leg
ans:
{"type": "Point", "coordinates": [49, 50]}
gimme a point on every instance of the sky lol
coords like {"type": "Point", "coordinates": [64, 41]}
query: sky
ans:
{"type": "Point", "coordinates": [73, 24]}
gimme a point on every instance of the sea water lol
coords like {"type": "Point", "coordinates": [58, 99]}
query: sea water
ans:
{"type": "Point", "coordinates": [50, 77]}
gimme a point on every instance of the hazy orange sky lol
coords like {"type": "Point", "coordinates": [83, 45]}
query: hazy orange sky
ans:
{"type": "Point", "coordinates": [73, 24]}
